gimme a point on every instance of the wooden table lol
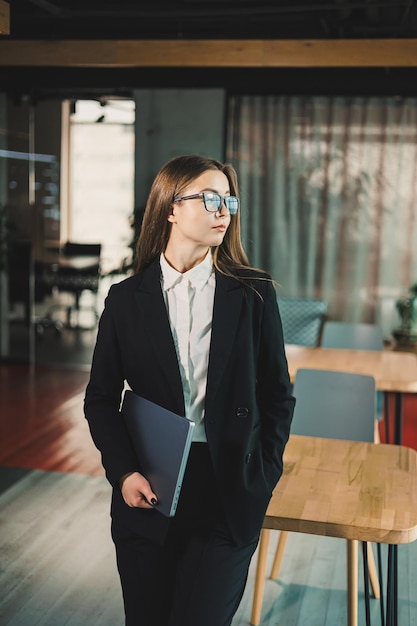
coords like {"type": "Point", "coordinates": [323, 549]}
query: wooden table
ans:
{"type": "Point", "coordinates": [394, 372]}
{"type": "Point", "coordinates": [351, 490]}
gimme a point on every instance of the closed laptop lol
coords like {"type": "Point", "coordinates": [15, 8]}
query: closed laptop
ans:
{"type": "Point", "coordinates": [162, 441]}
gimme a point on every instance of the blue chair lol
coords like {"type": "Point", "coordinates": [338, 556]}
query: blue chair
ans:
{"type": "Point", "coordinates": [334, 405]}
{"type": "Point", "coordinates": [355, 336]}
{"type": "Point", "coordinates": [302, 319]}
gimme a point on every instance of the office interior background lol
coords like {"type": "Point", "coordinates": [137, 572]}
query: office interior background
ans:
{"type": "Point", "coordinates": [324, 143]}
{"type": "Point", "coordinates": [326, 156]}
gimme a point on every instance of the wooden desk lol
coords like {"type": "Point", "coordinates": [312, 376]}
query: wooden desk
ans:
{"type": "Point", "coordinates": [351, 490]}
{"type": "Point", "coordinates": [394, 372]}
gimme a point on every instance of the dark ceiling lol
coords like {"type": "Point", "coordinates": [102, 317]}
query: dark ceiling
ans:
{"type": "Point", "coordinates": [211, 19]}
{"type": "Point", "coordinates": [158, 19]}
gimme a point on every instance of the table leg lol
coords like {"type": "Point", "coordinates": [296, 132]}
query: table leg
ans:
{"type": "Point", "coordinates": [392, 586]}
{"type": "Point", "coordinates": [381, 585]}
{"type": "Point", "coordinates": [373, 574]}
{"type": "Point", "coordinates": [395, 549]}
{"type": "Point", "coordinates": [279, 553]}
{"type": "Point", "coordinates": [260, 575]}
{"type": "Point", "coordinates": [398, 426]}
{"type": "Point", "coordinates": [386, 415]}
{"type": "Point", "coordinates": [366, 583]}
{"type": "Point", "coordinates": [352, 582]}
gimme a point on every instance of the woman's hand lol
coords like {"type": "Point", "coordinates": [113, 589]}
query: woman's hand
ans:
{"type": "Point", "coordinates": [137, 492]}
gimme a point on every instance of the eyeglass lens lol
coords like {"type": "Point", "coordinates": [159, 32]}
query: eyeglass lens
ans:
{"type": "Point", "coordinates": [213, 202]}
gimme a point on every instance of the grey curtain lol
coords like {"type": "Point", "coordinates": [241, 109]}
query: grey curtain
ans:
{"type": "Point", "coordinates": [329, 191]}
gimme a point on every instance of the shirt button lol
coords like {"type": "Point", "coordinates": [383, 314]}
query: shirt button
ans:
{"type": "Point", "coordinates": [242, 412]}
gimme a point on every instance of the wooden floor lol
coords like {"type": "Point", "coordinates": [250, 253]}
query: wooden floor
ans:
{"type": "Point", "coordinates": [42, 424]}
{"type": "Point", "coordinates": [58, 566]}
{"type": "Point", "coordinates": [57, 561]}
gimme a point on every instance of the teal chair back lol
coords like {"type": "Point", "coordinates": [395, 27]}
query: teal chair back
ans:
{"type": "Point", "coordinates": [352, 335]}
{"type": "Point", "coordinates": [302, 319]}
{"type": "Point", "coordinates": [355, 336]}
{"type": "Point", "coordinates": [335, 405]}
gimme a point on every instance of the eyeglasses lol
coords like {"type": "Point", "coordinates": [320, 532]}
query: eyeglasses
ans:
{"type": "Point", "coordinates": [213, 201]}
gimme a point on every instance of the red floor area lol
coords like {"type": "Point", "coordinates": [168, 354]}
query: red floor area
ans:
{"type": "Point", "coordinates": [409, 421]}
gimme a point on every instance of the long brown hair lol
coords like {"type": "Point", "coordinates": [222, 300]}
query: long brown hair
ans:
{"type": "Point", "coordinates": [169, 183]}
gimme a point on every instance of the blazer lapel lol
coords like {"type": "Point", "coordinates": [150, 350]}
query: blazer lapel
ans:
{"type": "Point", "coordinates": [227, 304]}
{"type": "Point", "coordinates": [153, 317]}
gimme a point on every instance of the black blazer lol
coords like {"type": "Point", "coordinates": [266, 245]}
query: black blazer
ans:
{"type": "Point", "coordinates": [248, 408]}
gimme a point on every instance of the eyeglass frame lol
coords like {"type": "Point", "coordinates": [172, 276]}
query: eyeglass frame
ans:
{"type": "Point", "coordinates": [223, 200]}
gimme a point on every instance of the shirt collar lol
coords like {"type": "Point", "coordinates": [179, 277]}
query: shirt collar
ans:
{"type": "Point", "coordinates": [198, 275]}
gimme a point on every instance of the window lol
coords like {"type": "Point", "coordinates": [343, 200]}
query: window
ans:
{"type": "Point", "coordinates": [101, 181]}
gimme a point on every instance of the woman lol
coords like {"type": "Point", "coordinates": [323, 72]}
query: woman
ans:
{"type": "Point", "coordinates": [196, 330]}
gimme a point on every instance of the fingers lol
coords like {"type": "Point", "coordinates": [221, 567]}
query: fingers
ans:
{"type": "Point", "coordinates": [137, 492]}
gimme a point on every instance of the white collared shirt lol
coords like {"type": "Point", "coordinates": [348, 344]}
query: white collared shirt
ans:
{"type": "Point", "coordinates": [189, 299]}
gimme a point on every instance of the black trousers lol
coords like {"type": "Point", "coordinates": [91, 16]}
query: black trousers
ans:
{"type": "Point", "coordinates": [197, 577]}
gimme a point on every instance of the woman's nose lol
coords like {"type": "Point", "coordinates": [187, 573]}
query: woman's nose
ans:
{"type": "Point", "coordinates": [223, 208]}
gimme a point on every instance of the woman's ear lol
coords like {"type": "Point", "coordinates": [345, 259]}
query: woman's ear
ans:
{"type": "Point", "coordinates": [171, 216]}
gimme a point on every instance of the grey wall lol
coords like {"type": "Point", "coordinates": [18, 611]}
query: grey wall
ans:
{"type": "Point", "coordinates": [170, 122]}
{"type": "Point", "coordinates": [4, 302]}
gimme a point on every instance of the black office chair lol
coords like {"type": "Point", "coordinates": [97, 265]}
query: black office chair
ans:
{"type": "Point", "coordinates": [77, 270]}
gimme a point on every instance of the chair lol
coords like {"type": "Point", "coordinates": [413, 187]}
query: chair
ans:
{"type": "Point", "coordinates": [356, 336]}
{"type": "Point", "coordinates": [347, 335]}
{"type": "Point", "coordinates": [302, 319]}
{"type": "Point", "coordinates": [335, 405]}
{"type": "Point", "coordinates": [77, 270]}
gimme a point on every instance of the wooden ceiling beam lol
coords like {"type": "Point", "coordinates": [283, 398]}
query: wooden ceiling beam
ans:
{"type": "Point", "coordinates": [4, 18]}
{"type": "Point", "coordinates": [264, 53]}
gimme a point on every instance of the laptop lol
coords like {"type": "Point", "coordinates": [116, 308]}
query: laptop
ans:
{"type": "Point", "coordinates": [162, 441]}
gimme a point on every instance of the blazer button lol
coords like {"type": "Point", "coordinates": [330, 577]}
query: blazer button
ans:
{"type": "Point", "coordinates": [242, 412]}
{"type": "Point", "coordinates": [248, 457]}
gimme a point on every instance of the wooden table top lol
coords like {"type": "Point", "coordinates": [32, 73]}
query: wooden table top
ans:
{"type": "Point", "coordinates": [347, 489]}
{"type": "Point", "coordinates": [393, 371]}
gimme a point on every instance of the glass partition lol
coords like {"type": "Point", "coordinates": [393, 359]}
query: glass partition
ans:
{"type": "Point", "coordinates": [16, 171]}
{"type": "Point", "coordinates": [29, 214]}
